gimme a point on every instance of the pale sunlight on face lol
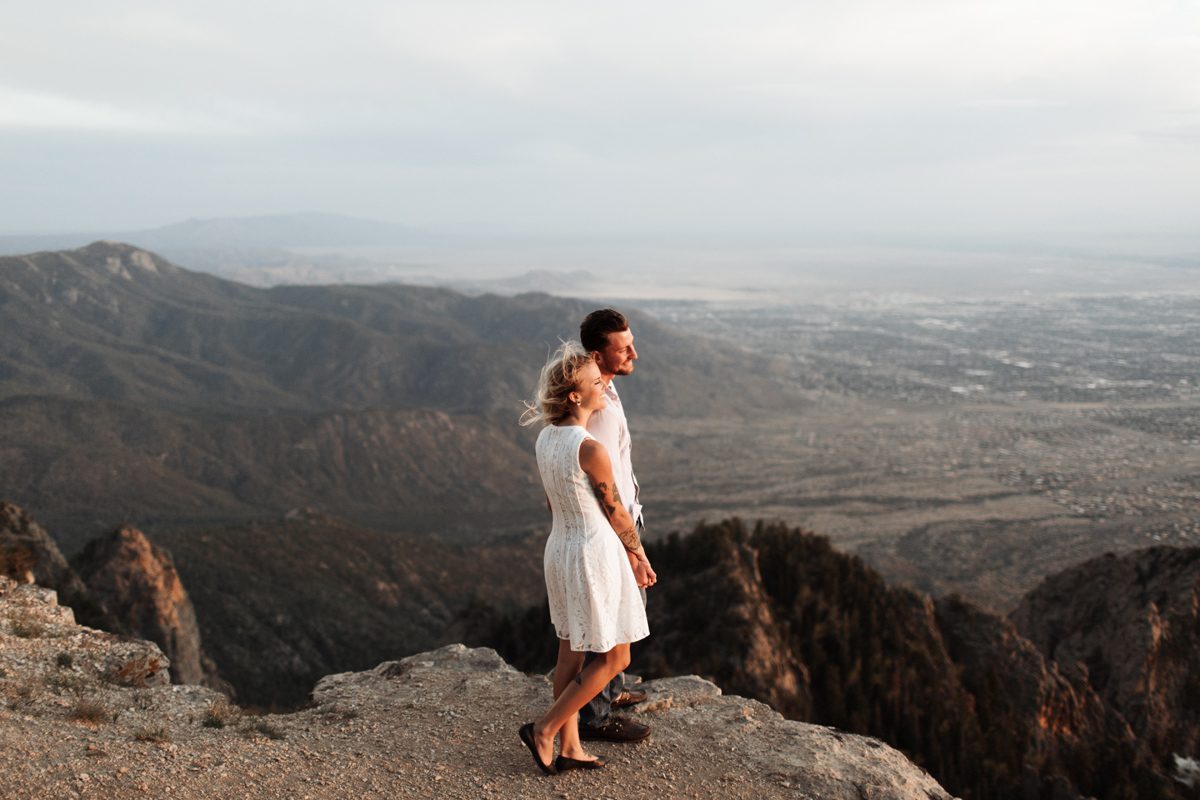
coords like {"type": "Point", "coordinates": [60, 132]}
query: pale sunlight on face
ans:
{"type": "Point", "coordinates": [618, 357]}
{"type": "Point", "coordinates": [590, 391]}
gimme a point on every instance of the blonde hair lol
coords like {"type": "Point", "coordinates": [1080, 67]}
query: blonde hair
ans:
{"type": "Point", "coordinates": [559, 378]}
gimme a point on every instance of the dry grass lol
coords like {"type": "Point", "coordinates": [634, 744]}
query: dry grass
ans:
{"type": "Point", "coordinates": [91, 710]}
{"type": "Point", "coordinates": [159, 734]}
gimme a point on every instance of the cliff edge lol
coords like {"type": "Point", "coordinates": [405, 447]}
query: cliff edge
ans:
{"type": "Point", "coordinates": [79, 719]}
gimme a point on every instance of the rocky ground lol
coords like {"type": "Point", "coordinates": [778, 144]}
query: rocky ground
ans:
{"type": "Point", "coordinates": [87, 714]}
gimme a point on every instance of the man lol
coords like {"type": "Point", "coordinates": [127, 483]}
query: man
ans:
{"type": "Point", "coordinates": [606, 335]}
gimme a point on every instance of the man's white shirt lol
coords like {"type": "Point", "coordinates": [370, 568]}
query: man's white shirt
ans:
{"type": "Point", "coordinates": [610, 428]}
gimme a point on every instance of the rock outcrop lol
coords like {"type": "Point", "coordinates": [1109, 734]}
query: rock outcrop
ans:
{"type": "Point", "coordinates": [787, 619]}
{"type": "Point", "coordinates": [41, 641]}
{"type": "Point", "coordinates": [1132, 626]}
{"type": "Point", "coordinates": [1026, 706]}
{"type": "Point", "coordinates": [83, 714]}
{"type": "Point", "coordinates": [29, 555]}
{"type": "Point", "coordinates": [136, 584]}
{"type": "Point", "coordinates": [704, 742]}
{"type": "Point", "coordinates": [718, 621]}
{"type": "Point", "coordinates": [119, 583]}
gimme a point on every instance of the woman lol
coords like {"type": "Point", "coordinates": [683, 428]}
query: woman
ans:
{"type": "Point", "coordinates": [594, 561]}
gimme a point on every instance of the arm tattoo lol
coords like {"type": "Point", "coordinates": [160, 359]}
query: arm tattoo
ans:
{"type": "Point", "coordinates": [628, 537]}
{"type": "Point", "coordinates": [601, 492]}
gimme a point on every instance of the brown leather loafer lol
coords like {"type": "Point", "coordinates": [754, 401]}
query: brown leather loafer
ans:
{"type": "Point", "coordinates": [617, 729]}
{"type": "Point", "coordinates": [628, 698]}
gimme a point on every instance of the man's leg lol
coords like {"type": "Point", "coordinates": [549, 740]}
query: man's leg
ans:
{"type": "Point", "coordinates": [596, 720]}
{"type": "Point", "coordinates": [599, 710]}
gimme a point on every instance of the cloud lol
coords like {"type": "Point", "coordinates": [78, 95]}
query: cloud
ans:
{"type": "Point", "coordinates": [24, 109]}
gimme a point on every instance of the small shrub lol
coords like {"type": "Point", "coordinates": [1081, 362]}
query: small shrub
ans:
{"type": "Point", "coordinates": [220, 714]}
{"type": "Point", "coordinates": [67, 682]}
{"type": "Point", "coordinates": [3, 672]}
{"type": "Point", "coordinates": [24, 700]}
{"type": "Point", "coordinates": [159, 734]}
{"type": "Point", "coordinates": [65, 660]}
{"type": "Point", "coordinates": [26, 628]}
{"type": "Point", "coordinates": [91, 710]}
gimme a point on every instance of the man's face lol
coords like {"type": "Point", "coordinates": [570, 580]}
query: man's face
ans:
{"type": "Point", "coordinates": [618, 356]}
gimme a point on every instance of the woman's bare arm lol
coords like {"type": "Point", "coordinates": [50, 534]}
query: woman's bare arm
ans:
{"type": "Point", "coordinates": [593, 458]}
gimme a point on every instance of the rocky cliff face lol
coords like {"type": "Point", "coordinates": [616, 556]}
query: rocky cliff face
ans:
{"type": "Point", "coordinates": [1033, 713]}
{"type": "Point", "coordinates": [717, 621]}
{"type": "Point", "coordinates": [138, 587]}
{"type": "Point", "coordinates": [1131, 625]}
{"type": "Point", "coordinates": [787, 619]}
{"type": "Point", "coordinates": [119, 583]}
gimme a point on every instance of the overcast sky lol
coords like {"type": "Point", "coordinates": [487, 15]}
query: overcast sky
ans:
{"type": "Point", "coordinates": [1024, 118]}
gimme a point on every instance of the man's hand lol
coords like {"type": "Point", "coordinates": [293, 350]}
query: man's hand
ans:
{"type": "Point", "coordinates": [644, 574]}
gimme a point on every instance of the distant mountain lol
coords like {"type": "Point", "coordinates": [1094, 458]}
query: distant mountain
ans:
{"type": "Point", "coordinates": [116, 323]}
{"type": "Point", "coordinates": [266, 232]}
{"type": "Point", "coordinates": [87, 465]}
{"type": "Point", "coordinates": [280, 230]}
{"type": "Point", "coordinates": [132, 390]}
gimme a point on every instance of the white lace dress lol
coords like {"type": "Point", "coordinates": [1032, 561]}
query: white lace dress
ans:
{"type": "Point", "coordinates": [594, 599]}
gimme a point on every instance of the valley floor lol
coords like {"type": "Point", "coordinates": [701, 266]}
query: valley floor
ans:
{"type": "Point", "coordinates": [984, 500]}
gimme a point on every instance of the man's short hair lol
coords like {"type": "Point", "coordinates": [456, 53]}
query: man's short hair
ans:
{"type": "Point", "coordinates": [596, 326]}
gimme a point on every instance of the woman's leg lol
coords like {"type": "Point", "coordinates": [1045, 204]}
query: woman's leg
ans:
{"type": "Point", "coordinates": [580, 689]}
{"type": "Point", "coordinates": [570, 663]}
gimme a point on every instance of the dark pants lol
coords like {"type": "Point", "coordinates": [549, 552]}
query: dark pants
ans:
{"type": "Point", "coordinates": [599, 710]}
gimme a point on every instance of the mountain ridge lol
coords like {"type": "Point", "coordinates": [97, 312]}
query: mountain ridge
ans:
{"type": "Point", "coordinates": [213, 393]}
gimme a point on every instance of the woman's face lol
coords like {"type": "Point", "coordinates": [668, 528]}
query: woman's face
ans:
{"type": "Point", "coordinates": [590, 389]}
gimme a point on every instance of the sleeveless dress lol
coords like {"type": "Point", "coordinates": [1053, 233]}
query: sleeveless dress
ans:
{"type": "Point", "coordinates": [594, 599]}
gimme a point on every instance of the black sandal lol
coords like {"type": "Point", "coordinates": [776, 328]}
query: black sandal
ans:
{"type": "Point", "coordinates": [562, 763]}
